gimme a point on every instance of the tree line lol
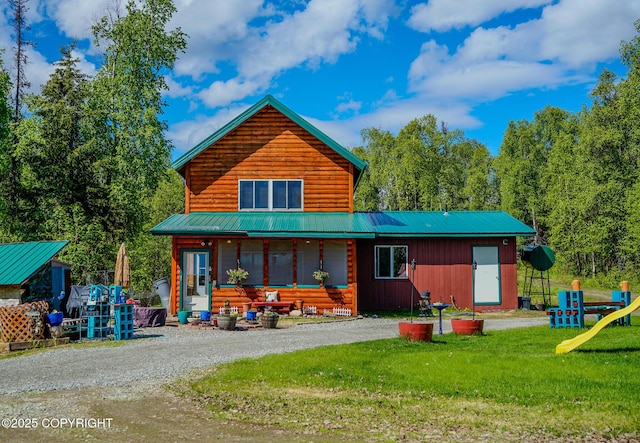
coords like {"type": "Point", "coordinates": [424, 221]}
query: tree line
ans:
{"type": "Point", "coordinates": [86, 160]}
{"type": "Point", "coordinates": [574, 177]}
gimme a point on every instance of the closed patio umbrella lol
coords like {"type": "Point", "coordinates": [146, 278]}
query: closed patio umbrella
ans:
{"type": "Point", "coordinates": [122, 275]}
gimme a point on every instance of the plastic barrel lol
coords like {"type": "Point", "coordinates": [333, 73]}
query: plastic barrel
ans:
{"type": "Point", "coordinates": [161, 286]}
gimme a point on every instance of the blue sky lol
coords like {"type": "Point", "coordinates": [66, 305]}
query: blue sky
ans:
{"type": "Point", "coordinates": [346, 65]}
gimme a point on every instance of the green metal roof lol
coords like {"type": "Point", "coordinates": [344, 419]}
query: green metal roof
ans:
{"type": "Point", "coordinates": [270, 100]}
{"type": "Point", "coordinates": [345, 225]}
{"type": "Point", "coordinates": [446, 224]}
{"type": "Point", "coordinates": [266, 224]}
{"type": "Point", "coordinates": [19, 261]}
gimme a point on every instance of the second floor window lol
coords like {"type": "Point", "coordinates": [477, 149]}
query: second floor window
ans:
{"type": "Point", "coordinates": [270, 195]}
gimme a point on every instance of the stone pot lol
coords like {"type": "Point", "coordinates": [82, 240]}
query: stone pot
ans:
{"type": "Point", "coordinates": [467, 326]}
{"type": "Point", "coordinates": [416, 331]}
{"type": "Point", "coordinates": [226, 322]}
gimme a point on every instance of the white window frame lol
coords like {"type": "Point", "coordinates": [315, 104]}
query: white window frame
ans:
{"type": "Point", "coordinates": [391, 263]}
{"type": "Point", "coordinates": [270, 195]}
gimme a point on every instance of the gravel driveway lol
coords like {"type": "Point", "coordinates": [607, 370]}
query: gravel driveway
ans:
{"type": "Point", "coordinates": [160, 354]}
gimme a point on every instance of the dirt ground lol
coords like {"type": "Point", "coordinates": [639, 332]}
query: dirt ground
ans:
{"type": "Point", "coordinates": [161, 417]}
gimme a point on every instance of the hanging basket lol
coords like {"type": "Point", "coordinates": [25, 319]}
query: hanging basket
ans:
{"type": "Point", "coordinates": [416, 331]}
{"type": "Point", "coordinates": [467, 326]}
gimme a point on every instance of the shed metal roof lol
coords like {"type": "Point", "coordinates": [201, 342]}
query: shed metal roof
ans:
{"type": "Point", "coordinates": [19, 261]}
{"type": "Point", "coordinates": [345, 225]}
{"type": "Point", "coordinates": [269, 100]}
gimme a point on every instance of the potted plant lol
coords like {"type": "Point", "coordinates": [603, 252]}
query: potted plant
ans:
{"type": "Point", "coordinates": [269, 319]}
{"type": "Point", "coordinates": [415, 331]}
{"type": "Point", "coordinates": [466, 326]}
{"type": "Point", "coordinates": [226, 321]}
{"type": "Point", "coordinates": [320, 275]}
{"type": "Point", "coordinates": [237, 276]}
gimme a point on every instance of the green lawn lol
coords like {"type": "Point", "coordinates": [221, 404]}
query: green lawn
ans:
{"type": "Point", "coordinates": [502, 386]}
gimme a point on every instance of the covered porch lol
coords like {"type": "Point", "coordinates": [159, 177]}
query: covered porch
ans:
{"type": "Point", "coordinates": [279, 251]}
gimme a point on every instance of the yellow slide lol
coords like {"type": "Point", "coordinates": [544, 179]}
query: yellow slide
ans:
{"type": "Point", "coordinates": [569, 345]}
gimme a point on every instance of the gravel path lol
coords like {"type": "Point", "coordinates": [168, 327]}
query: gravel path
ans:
{"type": "Point", "coordinates": [160, 354]}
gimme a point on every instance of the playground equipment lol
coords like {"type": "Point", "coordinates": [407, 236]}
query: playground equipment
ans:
{"type": "Point", "coordinates": [572, 309]}
{"type": "Point", "coordinates": [569, 345]}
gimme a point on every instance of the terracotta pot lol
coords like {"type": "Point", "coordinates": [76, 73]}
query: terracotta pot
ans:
{"type": "Point", "coordinates": [575, 285]}
{"type": "Point", "coordinates": [467, 326]}
{"type": "Point", "coordinates": [416, 331]}
{"type": "Point", "coordinates": [624, 286]}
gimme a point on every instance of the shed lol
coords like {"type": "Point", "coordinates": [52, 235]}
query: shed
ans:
{"type": "Point", "coordinates": [29, 271]}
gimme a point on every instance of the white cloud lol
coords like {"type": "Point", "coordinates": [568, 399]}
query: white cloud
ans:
{"type": "Point", "coordinates": [75, 17]}
{"type": "Point", "coordinates": [217, 30]}
{"type": "Point", "coordinates": [37, 70]}
{"type": "Point", "coordinates": [187, 134]}
{"type": "Point", "coordinates": [444, 15]}
{"type": "Point", "coordinates": [393, 116]}
{"type": "Point", "coordinates": [256, 44]}
{"type": "Point", "coordinates": [222, 93]}
{"type": "Point", "coordinates": [561, 48]}
{"type": "Point", "coordinates": [583, 32]}
{"type": "Point", "coordinates": [349, 106]}
{"type": "Point", "coordinates": [314, 35]}
{"type": "Point", "coordinates": [176, 89]}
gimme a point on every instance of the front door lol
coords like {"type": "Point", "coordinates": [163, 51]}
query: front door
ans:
{"type": "Point", "coordinates": [486, 275]}
{"type": "Point", "coordinates": [195, 280]}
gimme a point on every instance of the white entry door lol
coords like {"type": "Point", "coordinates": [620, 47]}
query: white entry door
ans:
{"type": "Point", "coordinates": [486, 275]}
{"type": "Point", "coordinates": [195, 280]}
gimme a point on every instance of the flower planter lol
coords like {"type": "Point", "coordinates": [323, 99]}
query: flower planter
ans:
{"type": "Point", "coordinates": [416, 331]}
{"type": "Point", "coordinates": [226, 322]}
{"type": "Point", "coordinates": [467, 327]}
{"type": "Point", "coordinates": [269, 321]}
{"type": "Point", "coordinates": [183, 317]}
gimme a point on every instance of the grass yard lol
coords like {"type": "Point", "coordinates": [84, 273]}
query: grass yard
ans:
{"type": "Point", "coordinates": [504, 386]}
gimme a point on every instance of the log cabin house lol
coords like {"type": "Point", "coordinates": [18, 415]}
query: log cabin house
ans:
{"type": "Point", "coordinates": [270, 193]}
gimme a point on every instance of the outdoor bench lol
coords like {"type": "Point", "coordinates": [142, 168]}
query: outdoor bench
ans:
{"type": "Point", "coordinates": [281, 307]}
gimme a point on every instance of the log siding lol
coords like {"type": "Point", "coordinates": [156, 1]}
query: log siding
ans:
{"type": "Point", "coordinates": [269, 146]}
